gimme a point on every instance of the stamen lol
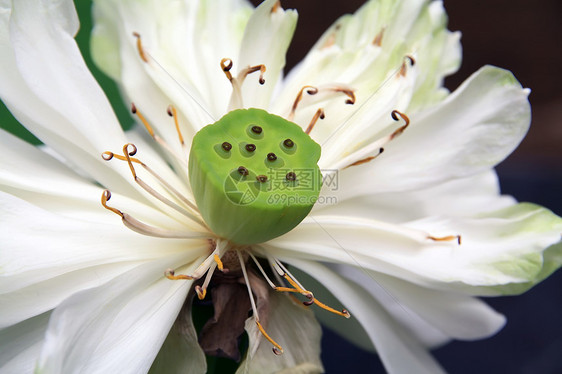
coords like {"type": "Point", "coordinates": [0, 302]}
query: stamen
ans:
{"type": "Point", "coordinates": [226, 66]}
{"type": "Point", "coordinates": [446, 238]}
{"type": "Point", "coordinates": [172, 112]}
{"type": "Point", "coordinates": [276, 6]}
{"type": "Point", "coordinates": [277, 349]}
{"type": "Point", "coordinates": [128, 153]}
{"type": "Point", "coordinates": [403, 68]}
{"type": "Point", "coordinates": [142, 228]}
{"type": "Point", "coordinates": [357, 158]}
{"type": "Point", "coordinates": [394, 116]}
{"type": "Point", "coordinates": [204, 267]}
{"type": "Point", "coordinates": [378, 38]}
{"type": "Point", "coordinates": [366, 159]}
{"type": "Point", "coordinates": [298, 288]}
{"type": "Point", "coordinates": [252, 69]}
{"type": "Point", "coordinates": [220, 265]}
{"type": "Point", "coordinates": [107, 156]}
{"type": "Point", "coordinates": [236, 101]}
{"type": "Point", "coordinates": [319, 115]}
{"type": "Point", "coordinates": [154, 136]}
{"type": "Point", "coordinates": [139, 47]}
{"type": "Point", "coordinates": [202, 290]}
{"type": "Point", "coordinates": [261, 270]}
{"type": "Point", "coordinates": [311, 90]}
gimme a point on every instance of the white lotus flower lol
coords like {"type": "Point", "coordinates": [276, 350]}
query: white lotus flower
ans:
{"type": "Point", "coordinates": [80, 292]}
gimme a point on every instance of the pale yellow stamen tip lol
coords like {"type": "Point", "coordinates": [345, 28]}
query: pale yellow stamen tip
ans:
{"type": "Point", "coordinates": [446, 238]}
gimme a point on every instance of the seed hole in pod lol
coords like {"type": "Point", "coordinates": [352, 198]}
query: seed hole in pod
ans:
{"type": "Point", "coordinates": [288, 146]}
{"type": "Point", "coordinates": [261, 178]}
{"type": "Point", "coordinates": [271, 156]}
{"type": "Point", "coordinates": [291, 176]}
{"type": "Point", "coordinates": [223, 150]}
{"type": "Point", "coordinates": [226, 146]}
{"type": "Point", "coordinates": [254, 131]}
{"type": "Point", "coordinates": [250, 147]}
{"type": "Point", "coordinates": [243, 171]}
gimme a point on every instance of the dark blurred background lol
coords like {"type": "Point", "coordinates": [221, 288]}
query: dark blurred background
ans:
{"type": "Point", "coordinates": [526, 38]}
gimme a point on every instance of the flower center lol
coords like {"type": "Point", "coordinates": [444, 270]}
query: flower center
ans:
{"type": "Point", "coordinates": [254, 175]}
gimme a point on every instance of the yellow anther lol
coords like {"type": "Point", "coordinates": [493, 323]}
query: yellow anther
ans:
{"type": "Point", "coordinates": [105, 196]}
{"type": "Point", "coordinates": [446, 238]}
{"type": "Point", "coordinates": [139, 47]}
{"type": "Point", "coordinates": [134, 110]}
{"type": "Point", "coordinates": [172, 112]}
{"type": "Point", "coordinates": [171, 274]}
{"type": "Point", "coordinates": [277, 349]}
{"type": "Point", "coordinates": [107, 155]}
{"type": "Point", "coordinates": [310, 296]}
{"type": "Point", "coordinates": [201, 292]}
{"type": "Point", "coordinates": [219, 262]}
{"type": "Point", "coordinates": [226, 65]}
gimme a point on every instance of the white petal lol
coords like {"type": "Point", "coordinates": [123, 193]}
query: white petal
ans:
{"type": "Point", "coordinates": [117, 327]}
{"type": "Point", "coordinates": [501, 252]}
{"type": "Point", "coordinates": [294, 328]}
{"type": "Point", "coordinates": [475, 128]}
{"type": "Point", "coordinates": [21, 344]}
{"type": "Point", "coordinates": [184, 42]}
{"type": "Point", "coordinates": [49, 89]}
{"type": "Point", "coordinates": [458, 316]}
{"type": "Point", "coordinates": [33, 175]}
{"type": "Point", "coordinates": [398, 350]}
{"type": "Point", "coordinates": [463, 197]}
{"type": "Point", "coordinates": [181, 352]}
{"type": "Point", "coordinates": [45, 258]}
{"type": "Point", "coordinates": [266, 39]}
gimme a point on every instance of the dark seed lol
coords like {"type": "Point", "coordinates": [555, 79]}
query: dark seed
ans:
{"type": "Point", "coordinates": [291, 176]}
{"type": "Point", "coordinates": [250, 147]}
{"type": "Point", "coordinates": [288, 143]}
{"type": "Point", "coordinates": [271, 156]}
{"type": "Point", "coordinates": [226, 146]}
{"type": "Point", "coordinates": [256, 130]}
{"type": "Point", "coordinates": [261, 178]}
{"type": "Point", "coordinates": [243, 171]}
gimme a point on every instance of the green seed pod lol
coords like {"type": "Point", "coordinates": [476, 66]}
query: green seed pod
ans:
{"type": "Point", "coordinates": [260, 186]}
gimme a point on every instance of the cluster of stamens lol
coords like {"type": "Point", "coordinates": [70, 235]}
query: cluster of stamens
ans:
{"type": "Point", "coordinates": [189, 209]}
